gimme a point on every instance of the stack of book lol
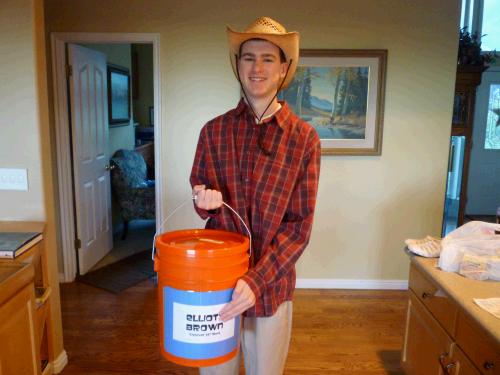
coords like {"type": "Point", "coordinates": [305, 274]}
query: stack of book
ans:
{"type": "Point", "coordinates": [13, 244]}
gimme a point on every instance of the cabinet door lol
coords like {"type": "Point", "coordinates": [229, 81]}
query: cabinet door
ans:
{"type": "Point", "coordinates": [18, 353]}
{"type": "Point", "coordinates": [483, 352]}
{"type": "Point", "coordinates": [459, 364]}
{"type": "Point", "coordinates": [426, 342]}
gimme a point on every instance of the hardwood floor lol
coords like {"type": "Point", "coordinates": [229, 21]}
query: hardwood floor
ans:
{"type": "Point", "coordinates": [334, 332]}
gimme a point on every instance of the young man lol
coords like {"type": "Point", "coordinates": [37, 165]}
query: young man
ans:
{"type": "Point", "coordinates": [263, 161]}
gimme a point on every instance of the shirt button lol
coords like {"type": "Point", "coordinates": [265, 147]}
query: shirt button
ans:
{"type": "Point", "coordinates": [247, 180]}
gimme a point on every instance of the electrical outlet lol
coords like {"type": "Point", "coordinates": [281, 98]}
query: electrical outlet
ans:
{"type": "Point", "coordinates": [13, 179]}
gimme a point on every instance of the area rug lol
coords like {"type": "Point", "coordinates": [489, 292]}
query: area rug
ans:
{"type": "Point", "coordinates": [121, 275]}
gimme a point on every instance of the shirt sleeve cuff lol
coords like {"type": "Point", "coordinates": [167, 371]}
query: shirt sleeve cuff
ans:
{"type": "Point", "coordinates": [255, 282]}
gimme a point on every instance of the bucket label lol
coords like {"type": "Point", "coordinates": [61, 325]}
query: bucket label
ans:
{"type": "Point", "coordinates": [192, 326]}
{"type": "Point", "coordinates": [200, 324]}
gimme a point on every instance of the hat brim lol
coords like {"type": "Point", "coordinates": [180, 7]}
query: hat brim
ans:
{"type": "Point", "coordinates": [288, 42]}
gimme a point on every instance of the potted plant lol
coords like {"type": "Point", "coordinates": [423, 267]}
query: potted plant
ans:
{"type": "Point", "coordinates": [469, 51]}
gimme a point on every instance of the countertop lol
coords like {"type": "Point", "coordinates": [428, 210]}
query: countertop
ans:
{"type": "Point", "coordinates": [462, 291]}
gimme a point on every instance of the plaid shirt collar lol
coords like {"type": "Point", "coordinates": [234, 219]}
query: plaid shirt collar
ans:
{"type": "Point", "coordinates": [281, 116]}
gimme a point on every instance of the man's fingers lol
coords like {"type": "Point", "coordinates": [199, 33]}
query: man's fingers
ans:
{"type": "Point", "coordinates": [238, 288]}
{"type": "Point", "coordinates": [196, 191]}
{"type": "Point", "coordinates": [207, 199]}
{"type": "Point", "coordinates": [242, 299]}
{"type": "Point", "coordinates": [200, 198]}
{"type": "Point", "coordinates": [198, 188]}
{"type": "Point", "coordinates": [233, 309]}
{"type": "Point", "coordinates": [229, 311]}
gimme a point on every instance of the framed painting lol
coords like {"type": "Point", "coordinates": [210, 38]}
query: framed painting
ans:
{"type": "Point", "coordinates": [341, 94]}
{"type": "Point", "coordinates": [118, 95]}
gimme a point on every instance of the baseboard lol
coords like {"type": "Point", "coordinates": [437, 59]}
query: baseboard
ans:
{"type": "Point", "coordinates": [351, 284]}
{"type": "Point", "coordinates": [60, 362]}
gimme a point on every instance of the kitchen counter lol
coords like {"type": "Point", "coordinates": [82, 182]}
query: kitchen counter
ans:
{"type": "Point", "coordinates": [462, 291]}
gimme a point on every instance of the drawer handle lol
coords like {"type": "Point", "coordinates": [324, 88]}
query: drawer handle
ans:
{"type": "Point", "coordinates": [449, 366]}
{"type": "Point", "coordinates": [442, 359]}
{"type": "Point", "coordinates": [426, 295]}
{"type": "Point", "coordinates": [488, 365]}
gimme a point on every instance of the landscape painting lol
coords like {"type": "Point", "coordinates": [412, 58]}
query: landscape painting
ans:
{"type": "Point", "coordinates": [332, 99]}
{"type": "Point", "coordinates": [340, 93]}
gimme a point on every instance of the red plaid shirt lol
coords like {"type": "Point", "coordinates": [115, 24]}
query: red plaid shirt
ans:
{"type": "Point", "coordinates": [275, 194]}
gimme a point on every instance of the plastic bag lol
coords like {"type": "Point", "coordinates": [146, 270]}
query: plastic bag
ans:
{"type": "Point", "coordinates": [475, 238]}
{"type": "Point", "coordinates": [474, 267]}
{"type": "Point", "coordinates": [473, 228]}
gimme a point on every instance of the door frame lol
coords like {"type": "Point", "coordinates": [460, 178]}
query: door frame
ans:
{"type": "Point", "coordinates": [66, 207]}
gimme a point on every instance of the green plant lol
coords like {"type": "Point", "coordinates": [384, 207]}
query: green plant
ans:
{"type": "Point", "coordinates": [469, 50]}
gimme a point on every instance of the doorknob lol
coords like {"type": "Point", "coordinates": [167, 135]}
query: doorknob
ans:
{"type": "Point", "coordinates": [109, 167]}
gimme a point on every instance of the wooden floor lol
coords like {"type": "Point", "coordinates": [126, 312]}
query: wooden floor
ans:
{"type": "Point", "coordinates": [334, 332]}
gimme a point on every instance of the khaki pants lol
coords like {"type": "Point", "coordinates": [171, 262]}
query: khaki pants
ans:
{"type": "Point", "coordinates": [264, 342]}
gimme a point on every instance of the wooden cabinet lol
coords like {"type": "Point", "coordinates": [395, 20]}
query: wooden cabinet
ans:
{"type": "Point", "coordinates": [35, 312]}
{"type": "Point", "coordinates": [427, 345]}
{"type": "Point", "coordinates": [438, 304]}
{"type": "Point", "coordinates": [479, 348]}
{"type": "Point", "coordinates": [459, 363]}
{"type": "Point", "coordinates": [441, 338]}
{"type": "Point", "coordinates": [18, 336]}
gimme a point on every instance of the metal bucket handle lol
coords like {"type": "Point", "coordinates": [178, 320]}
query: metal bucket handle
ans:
{"type": "Point", "coordinates": [193, 198]}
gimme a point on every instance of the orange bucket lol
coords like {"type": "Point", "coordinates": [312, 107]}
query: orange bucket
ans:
{"type": "Point", "coordinates": [197, 271]}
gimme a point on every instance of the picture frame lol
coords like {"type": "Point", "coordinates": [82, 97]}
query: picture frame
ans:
{"type": "Point", "coordinates": [118, 95]}
{"type": "Point", "coordinates": [341, 94]}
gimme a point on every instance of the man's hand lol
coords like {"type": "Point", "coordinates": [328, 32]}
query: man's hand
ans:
{"type": "Point", "coordinates": [207, 199]}
{"type": "Point", "coordinates": [243, 299]}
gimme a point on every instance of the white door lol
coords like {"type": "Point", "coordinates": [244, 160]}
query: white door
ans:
{"type": "Point", "coordinates": [483, 193]}
{"type": "Point", "coordinates": [89, 125]}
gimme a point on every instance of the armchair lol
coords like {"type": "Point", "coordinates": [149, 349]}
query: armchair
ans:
{"type": "Point", "coordinates": [135, 194]}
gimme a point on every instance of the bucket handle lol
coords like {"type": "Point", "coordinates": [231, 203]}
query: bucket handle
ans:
{"type": "Point", "coordinates": [193, 198]}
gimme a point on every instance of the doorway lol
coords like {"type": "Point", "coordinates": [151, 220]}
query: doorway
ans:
{"type": "Point", "coordinates": [474, 161]}
{"type": "Point", "coordinates": [148, 147]}
{"type": "Point", "coordinates": [130, 146]}
{"type": "Point", "coordinates": [484, 176]}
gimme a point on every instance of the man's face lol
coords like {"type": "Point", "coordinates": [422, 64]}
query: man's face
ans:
{"type": "Point", "coordinates": [260, 68]}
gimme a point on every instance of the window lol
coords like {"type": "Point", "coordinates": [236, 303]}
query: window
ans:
{"type": "Point", "coordinates": [467, 11]}
{"type": "Point", "coordinates": [483, 17]}
{"type": "Point", "coordinates": [492, 136]}
{"type": "Point", "coordinates": [491, 25]}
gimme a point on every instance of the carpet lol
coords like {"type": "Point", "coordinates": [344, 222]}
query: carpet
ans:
{"type": "Point", "coordinates": [121, 275]}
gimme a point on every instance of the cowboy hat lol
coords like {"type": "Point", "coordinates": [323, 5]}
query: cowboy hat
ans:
{"type": "Point", "coordinates": [270, 30]}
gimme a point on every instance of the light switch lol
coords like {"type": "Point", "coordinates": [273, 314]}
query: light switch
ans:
{"type": "Point", "coordinates": [13, 179]}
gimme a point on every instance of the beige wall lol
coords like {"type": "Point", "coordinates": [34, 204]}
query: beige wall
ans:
{"type": "Point", "coordinates": [26, 140]}
{"type": "Point", "coordinates": [19, 125]}
{"type": "Point", "coordinates": [367, 206]}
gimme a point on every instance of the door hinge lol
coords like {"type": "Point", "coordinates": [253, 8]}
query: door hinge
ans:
{"type": "Point", "coordinates": [78, 243]}
{"type": "Point", "coordinates": [69, 70]}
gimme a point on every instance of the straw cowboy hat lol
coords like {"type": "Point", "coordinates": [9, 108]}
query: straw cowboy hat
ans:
{"type": "Point", "coordinates": [270, 30]}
